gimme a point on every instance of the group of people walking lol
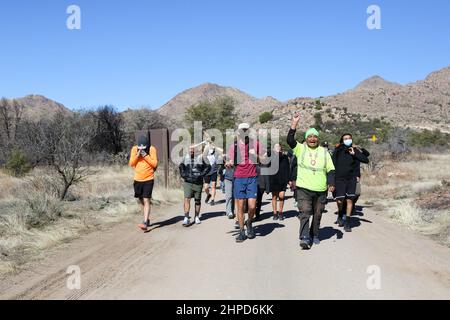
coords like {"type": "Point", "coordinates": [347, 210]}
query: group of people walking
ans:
{"type": "Point", "coordinates": [309, 169]}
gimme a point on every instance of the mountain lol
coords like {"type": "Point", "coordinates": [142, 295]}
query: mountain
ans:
{"type": "Point", "coordinates": [375, 82]}
{"type": "Point", "coordinates": [424, 104]}
{"type": "Point", "coordinates": [37, 107]}
{"type": "Point", "coordinates": [246, 105]}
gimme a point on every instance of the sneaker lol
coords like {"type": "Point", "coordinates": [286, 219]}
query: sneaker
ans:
{"type": "Point", "coordinates": [197, 220]}
{"type": "Point", "coordinates": [250, 231]}
{"type": "Point", "coordinates": [186, 221]}
{"type": "Point", "coordinates": [347, 227]}
{"type": "Point", "coordinates": [275, 217]}
{"type": "Point", "coordinates": [281, 217]}
{"type": "Point", "coordinates": [316, 241]}
{"type": "Point", "coordinates": [236, 225]}
{"type": "Point", "coordinates": [212, 203]}
{"type": "Point", "coordinates": [208, 197]}
{"type": "Point", "coordinates": [305, 244]}
{"type": "Point", "coordinates": [231, 216]}
{"type": "Point", "coordinates": [241, 237]}
{"type": "Point", "coordinates": [143, 226]}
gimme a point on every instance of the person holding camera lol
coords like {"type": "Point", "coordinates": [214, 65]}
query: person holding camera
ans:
{"type": "Point", "coordinates": [347, 159]}
{"type": "Point", "coordinates": [144, 160]}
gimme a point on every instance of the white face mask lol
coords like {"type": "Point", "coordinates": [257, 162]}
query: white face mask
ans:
{"type": "Point", "coordinates": [348, 143]}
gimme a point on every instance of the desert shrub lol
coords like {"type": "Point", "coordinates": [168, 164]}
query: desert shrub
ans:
{"type": "Point", "coordinates": [17, 164]}
{"type": "Point", "coordinates": [265, 117]}
{"type": "Point", "coordinates": [427, 138]}
{"type": "Point", "coordinates": [217, 114]}
{"type": "Point", "coordinates": [44, 209]}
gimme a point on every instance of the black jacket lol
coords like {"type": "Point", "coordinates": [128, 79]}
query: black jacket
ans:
{"type": "Point", "coordinates": [358, 170]}
{"type": "Point", "coordinates": [293, 169]}
{"type": "Point", "coordinates": [193, 170]}
{"type": "Point", "coordinates": [281, 178]}
{"type": "Point", "coordinates": [347, 165]}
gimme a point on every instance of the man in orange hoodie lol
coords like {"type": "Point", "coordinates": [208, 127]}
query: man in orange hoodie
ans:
{"type": "Point", "coordinates": [144, 160]}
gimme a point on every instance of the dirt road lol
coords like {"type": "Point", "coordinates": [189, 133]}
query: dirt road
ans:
{"type": "Point", "coordinates": [204, 262]}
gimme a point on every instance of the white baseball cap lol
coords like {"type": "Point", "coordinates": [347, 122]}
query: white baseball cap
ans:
{"type": "Point", "coordinates": [244, 126]}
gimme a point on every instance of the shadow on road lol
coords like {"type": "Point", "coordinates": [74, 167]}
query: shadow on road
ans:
{"type": "Point", "coordinates": [291, 214]}
{"type": "Point", "coordinates": [356, 222]}
{"type": "Point", "coordinates": [220, 202]}
{"type": "Point", "coordinates": [329, 232]}
{"type": "Point", "coordinates": [166, 223]}
{"type": "Point", "coordinates": [211, 215]}
{"type": "Point", "coordinates": [263, 230]}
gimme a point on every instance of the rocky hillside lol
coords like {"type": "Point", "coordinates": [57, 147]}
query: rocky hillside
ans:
{"type": "Point", "coordinates": [247, 106]}
{"type": "Point", "coordinates": [424, 104]}
{"type": "Point", "coordinates": [37, 107]}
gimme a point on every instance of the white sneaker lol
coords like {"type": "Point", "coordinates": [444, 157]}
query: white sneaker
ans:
{"type": "Point", "coordinates": [186, 221]}
{"type": "Point", "coordinates": [197, 220]}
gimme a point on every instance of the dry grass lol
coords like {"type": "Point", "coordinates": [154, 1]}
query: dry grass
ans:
{"type": "Point", "coordinates": [399, 183]}
{"type": "Point", "coordinates": [33, 219]}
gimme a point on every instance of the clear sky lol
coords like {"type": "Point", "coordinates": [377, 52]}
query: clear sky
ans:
{"type": "Point", "coordinates": [143, 52]}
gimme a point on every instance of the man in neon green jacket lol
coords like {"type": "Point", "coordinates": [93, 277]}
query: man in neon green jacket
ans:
{"type": "Point", "coordinates": [315, 176]}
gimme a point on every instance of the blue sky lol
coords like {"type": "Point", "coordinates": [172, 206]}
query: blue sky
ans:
{"type": "Point", "coordinates": [141, 53]}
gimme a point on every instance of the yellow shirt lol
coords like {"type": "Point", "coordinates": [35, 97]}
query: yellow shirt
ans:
{"type": "Point", "coordinates": [313, 167]}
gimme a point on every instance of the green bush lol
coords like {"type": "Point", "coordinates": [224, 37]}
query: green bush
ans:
{"type": "Point", "coordinates": [265, 117]}
{"type": "Point", "coordinates": [217, 114]}
{"type": "Point", "coordinates": [318, 121]}
{"type": "Point", "coordinates": [428, 138]}
{"type": "Point", "coordinates": [17, 164]}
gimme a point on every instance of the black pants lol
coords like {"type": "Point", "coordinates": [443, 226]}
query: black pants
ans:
{"type": "Point", "coordinates": [310, 203]}
{"type": "Point", "coordinates": [259, 202]}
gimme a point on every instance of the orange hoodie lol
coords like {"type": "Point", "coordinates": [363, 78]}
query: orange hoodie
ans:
{"type": "Point", "coordinates": [144, 168]}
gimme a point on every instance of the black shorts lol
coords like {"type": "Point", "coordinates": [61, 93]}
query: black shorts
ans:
{"type": "Point", "coordinates": [143, 190]}
{"type": "Point", "coordinates": [211, 178]}
{"type": "Point", "coordinates": [345, 188]}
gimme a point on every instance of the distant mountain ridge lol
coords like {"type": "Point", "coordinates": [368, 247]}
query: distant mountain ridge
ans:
{"type": "Point", "coordinates": [421, 104]}
{"type": "Point", "coordinates": [246, 105]}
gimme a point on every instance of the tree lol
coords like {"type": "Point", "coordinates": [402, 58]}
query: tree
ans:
{"type": "Point", "coordinates": [68, 149]}
{"type": "Point", "coordinates": [109, 131]}
{"type": "Point", "coordinates": [265, 117]}
{"type": "Point", "coordinates": [17, 164]}
{"type": "Point", "coordinates": [217, 114]}
{"type": "Point", "coordinates": [318, 121]}
{"type": "Point", "coordinates": [141, 120]}
{"type": "Point", "coordinates": [10, 117]}
{"type": "Point", "coordinates": [62, 144]}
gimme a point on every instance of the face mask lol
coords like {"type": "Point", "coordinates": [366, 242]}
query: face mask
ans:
{"type": "Point", "coordinates": [348, 143]}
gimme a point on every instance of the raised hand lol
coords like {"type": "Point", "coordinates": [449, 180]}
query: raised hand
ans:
{"type": "Point", "coordinates": [295, 120]}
